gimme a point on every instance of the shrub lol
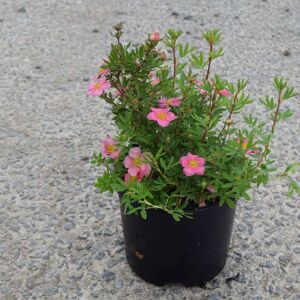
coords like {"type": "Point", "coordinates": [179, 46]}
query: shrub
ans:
{"type": "Point", "coordinates": [179, 144]}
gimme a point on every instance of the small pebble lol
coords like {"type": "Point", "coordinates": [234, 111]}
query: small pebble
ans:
{"type": "Point", "coordinates": [100, 255]}
{"type": "Point", "coordinates": [285, 259]}
{"type": "Point", "coordinates": [108, 276]}
{"type": "Point", "coordinates": [22, 9]}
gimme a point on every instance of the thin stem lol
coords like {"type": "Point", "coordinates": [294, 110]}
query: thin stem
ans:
{"type": "Point", "coordinates": [156, 206]}
{"type": "Point", "coordinates": [163, 175]}
{"type": "Point", "coordinates": [174, 64]}
{"type": "Point", "coordinates": [231, 111]}
{"type": "Point", "coordinates": [272, 130]}
{"type": "Point", "coordinates": [230, 115]}
{"type": "Point", "coordinates": [276, 113]}
{"type": "Point", "coordinates": [212, 106]}
{"type": "Point", "coordinates": [120, 90]}
{"type": "Point", "coordinates": [209, 60]}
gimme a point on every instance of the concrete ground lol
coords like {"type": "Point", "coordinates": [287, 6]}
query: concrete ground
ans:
{"type": "Point", "coordinates": [59, 238]}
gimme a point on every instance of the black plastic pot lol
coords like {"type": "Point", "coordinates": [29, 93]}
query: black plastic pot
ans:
{"type": "Point", "coordinates": [192, 251]}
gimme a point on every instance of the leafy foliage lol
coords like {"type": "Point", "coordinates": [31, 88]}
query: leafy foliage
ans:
{"type": "Point", "coordinates": [235, 157]}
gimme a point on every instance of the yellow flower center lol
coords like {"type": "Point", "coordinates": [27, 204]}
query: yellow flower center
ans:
{"type": "Point", "coordinates": [169, 101]}
{"type": "Point", "coordinates": [161, 116]}
{"type": "Point", "coordinates": [137, 161]}
{"type": "Point", "coordinates": [97, 85]}
{"type": "Point", "coordinates": [244, 145]}
{"type": "Point", "coordinates": [110, 148]}
{"type": "Point", "coordinates": [193, 164]}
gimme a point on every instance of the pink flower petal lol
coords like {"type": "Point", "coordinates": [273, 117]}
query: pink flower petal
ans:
{"type": "Point", "coordinates": [163, 123]}
{"type": "Point", "coordinates": [151, 116]}
{"type": "Point", "coordinates": [188, 172]}
{"type": "Point", "coordinates": [115, 154]}
{"type": "Point", "coordinates": [145, 170]}
{"type": "Point", "coordinates": [183, 161]}
{"type": "Point", "coordinates": [134, 152]}
{"type": "Point", "coordinates": [176, 102]}
{"type": "Point", "coordinates": [155, 81]}
{"type": "Point", "coordinates": [203, 92]}
{"type": "Point", "coordinates": [128, 162]}
{"type": "Point", "coordinates": [225, 93]}
{"type": "Point", "coordinates": [201, 161]}
{"type": "Point", "coordinates": [171, 117]}
{"type": "Point", "coordinates": [200, 170]}
{"type": "Point", "coordinates": [133, 170]}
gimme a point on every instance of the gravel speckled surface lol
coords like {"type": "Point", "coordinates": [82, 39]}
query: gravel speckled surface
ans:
{"type": "Point", "coordinates": [59, 238]}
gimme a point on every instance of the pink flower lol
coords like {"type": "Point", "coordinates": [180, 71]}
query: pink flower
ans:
{"type": "Point", "coordinates": [164, 102]}
{"type": "Point", "coordinates": [161, 115]}
{"type": "Point", "coordinates": [225, 93]}
{"type": "Point", "coordinates": [98, 87]}
{"type": "Point", "coordinates": [155, 36]}
{"type": "Point", "coordinates": [136, 164]}
{"type": "Point", "coordinates": [109, 148]}
{"type": "Point", "coordinates": [192, 164]}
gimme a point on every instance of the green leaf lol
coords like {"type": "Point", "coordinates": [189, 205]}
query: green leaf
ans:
{"type": "Point", "coordinates": [289, 93]}
{"type": "Point", "coordinates": [269, 103]}
{"type": "Point", "coordinates": [280, 83]}
{"type": "Point", "coordinates": [198, 61]}
{"type": "Point", "coordinates": [212, 36]}
{"type": "Point", "coordinates": [119, 187]}
{"type": "Point", "coordinates": [230, 203]}
{"type": "Point", "coordinates": [292, 168]}
{"type": "Point", "coordinates": [285, 115]}
{"type": "Point", "coordinates": [143, 213]}
{"type": "Point", "coordinates": [163, 164]}
{"type": "Point", "coordinates": [246, 196]}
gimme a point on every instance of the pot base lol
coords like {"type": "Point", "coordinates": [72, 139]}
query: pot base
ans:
{"type": "Point", "coordinates": [163, 279]}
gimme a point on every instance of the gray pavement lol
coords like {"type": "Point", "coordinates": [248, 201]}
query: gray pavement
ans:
{"type": "Point", "coordinates": [59, 238]}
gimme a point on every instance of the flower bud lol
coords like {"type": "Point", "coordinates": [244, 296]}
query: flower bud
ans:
{"type": "Point", "coordinates": [228, 122]}
{"type": "Point", "coordinates": [138, 64]}
{"type": "Point", "coordinates": [162, 54]}
{"type": "Point", "coordinates": [155, 37]}
{"type": "Point", "coordinates": [135, 101]}
{"type": "Point", "coordinates": [118, 27]}
{"type": "Point", "coordinates": [191, 79]}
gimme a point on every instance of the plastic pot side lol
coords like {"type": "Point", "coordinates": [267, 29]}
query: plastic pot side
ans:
{"type": "Point", "coordinates": [192, 251]}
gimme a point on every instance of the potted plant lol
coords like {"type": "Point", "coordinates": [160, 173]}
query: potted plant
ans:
{"type": "Point", "coordinates": [182, 158]}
